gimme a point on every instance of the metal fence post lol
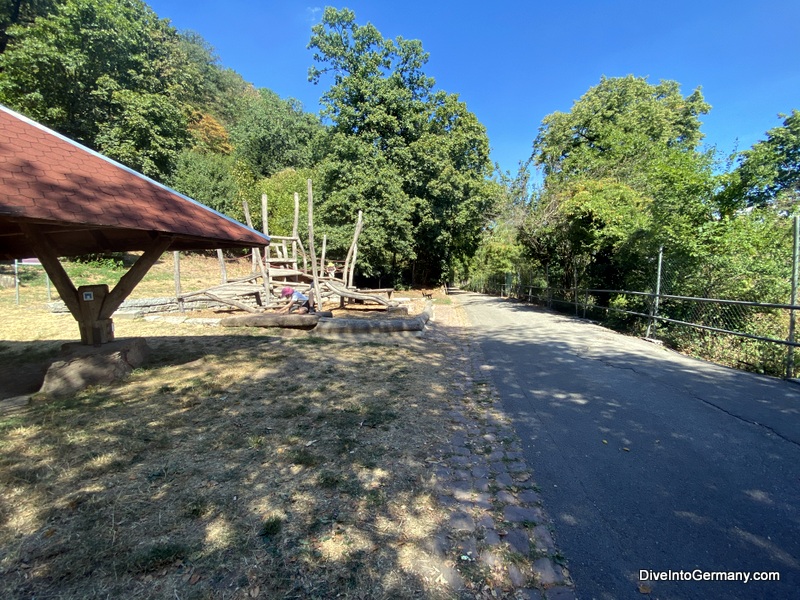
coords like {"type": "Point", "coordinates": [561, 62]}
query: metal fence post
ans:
{"type": "Point", "coordinates": [16, 279]}
{"type": "Point", "coordinates": [792, 316]}
{"type": "Point", "coordinates": [575, 284]}
{"type": "Point", "coordinates": [654, 310]}
{"type": "Point", "coordinates": [549, 291]}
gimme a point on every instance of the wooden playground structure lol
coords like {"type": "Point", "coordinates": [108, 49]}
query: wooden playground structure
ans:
{"type": "Point", "coordinates": [288, 262]}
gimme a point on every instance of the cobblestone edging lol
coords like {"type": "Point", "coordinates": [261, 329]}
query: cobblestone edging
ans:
{"type": "Point", "coordinates": [500, 542]}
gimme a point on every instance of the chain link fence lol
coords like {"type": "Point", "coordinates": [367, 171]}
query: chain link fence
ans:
{"type": "Point", "coordinates": [751, 334]}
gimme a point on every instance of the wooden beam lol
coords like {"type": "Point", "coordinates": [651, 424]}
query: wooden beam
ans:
{"type": "Point", "coordinates": [48, 256]}
{"type": "Point", "coordinates": [315, 303]}
{"type": "Point", "coordinates": [295, 234]}
{"type": "Point", "coordinates": [223, 272]}
{"type": "Point", "coordinates": [257, 252]}
{"type": "Point", "coordinates": [135, 274]}
{"type": "Point", "coordinates": [101, 239]}
{"type": "Point", "coordinates": [231, 302]}
{"type": "Point", "coordinates": [267, 253]}
{"type": "Point", "coordinates": [176, 272]}
{"type": "Point", "coordinates": [349, 266]}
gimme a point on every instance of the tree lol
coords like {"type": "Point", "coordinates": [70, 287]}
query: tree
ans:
{"type": "Point", "coordinates": [208, 87]}
{"type": "Point", "coordinates": [106, 73]}
{"type": "Point", "coordinates": [208, 178]}
{"type": "Point", "coordinates": [145, 131]}
{"type": "Point", "coordinates": [209, 135]}
{"type": "Point", "coordinates": [414, 160]}
{"type": "Point", "coordinates": [20, 12]}
{"type": "Point", "coordinates": [371, 106]}
{"type": "Point", "coordinates": [622, 176]}
{"type": "Point", "coordinates": [617, 126]}
{"type": "Point", "coordinates": [499, 248]}
{"type": "Point", "coordinates": [354, 177]}
{"type": "Point", "coordinates": [769, 172]}
{"type": "Point", "coordinates": [450, 173]}
{"type": "Point", "coordinates": [271, 134]}
{"type": "Point", "coordinates": [280, 190]}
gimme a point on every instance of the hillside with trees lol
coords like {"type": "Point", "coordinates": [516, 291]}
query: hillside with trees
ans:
{"type": "Point", "coordinates": [622, 174]}
{"type": "Point", "coordinates": [113, 75]}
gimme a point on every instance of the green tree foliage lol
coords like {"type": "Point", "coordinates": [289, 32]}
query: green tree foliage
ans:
{"type": "Point", "coordinates": [280, 190]}
{"type": "Point", "coordinates": [499, 247]}
{"type": "Point", "coordinates": [748, 257]}
{"type": "Point", "coordinates": [451, 176]}
{"type": "Point", "coordinates": [618, 126]}
{"type": "Point", "coordinates": [208, 178]}
{"type": "Point", "coordinates": [145, 131]}
{"type": "Point", "coordinates": [768, 174]}
{"type": "Point", "coordinates": [356, 176]}
{"type": "Point", "coordinates": [20, 12]}
{"type": "Point", "coordinates": [271, 134]}
{"type": "Point", "coordinates": [623, 175]}
{"type": "Point", "coordinates": [414, 160]}
{"type": "Point", "coordinates": [208, 86]}
{"type": "Point", "coordinates": [102, 72]}
{"type": "Point", "coordinates": [598, 227]}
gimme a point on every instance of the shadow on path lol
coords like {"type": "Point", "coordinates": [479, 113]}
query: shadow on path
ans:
{"type": "Point", "coordinates": [647, 459]}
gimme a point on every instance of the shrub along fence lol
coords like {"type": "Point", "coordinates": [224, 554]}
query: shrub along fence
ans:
{"type": "Point", "coordinates": [749, 335]}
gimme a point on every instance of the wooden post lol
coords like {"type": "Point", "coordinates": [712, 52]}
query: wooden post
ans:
{"type": "Point", "coordinates": [134, 275]}
{"type": "Point", "coordinates": [223, 272]}
{"type": "Point", "coordinates": [256, 251]}
{"type": "Point", "coordinates": [176, 268]}
{"type": "Point", "coordinates": [314, 275]}
{"type": "Point", "coordinates": [94, 330]}
{"type": "Point", "coordinates": [349, 265]}
{"type": "Point", "coordinates": [16, 279]}
{"type": "Point", "coordinates": [295, 233]}
{"type": "Point", "coordinates": [352, 267]}
{"type": "Point", "coordinates": [268, 254]}
{"type": "Point", "coordinates": [322, 266]}
{"type": "Point", "coordinates": [176, 272]}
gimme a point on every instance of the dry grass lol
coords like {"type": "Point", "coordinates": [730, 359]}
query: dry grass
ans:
{"type": "Point", "coordinates": [232, 465]}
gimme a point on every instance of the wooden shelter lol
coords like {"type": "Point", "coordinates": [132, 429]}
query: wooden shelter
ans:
{"type": "Point", "coordinates": [61, 199]}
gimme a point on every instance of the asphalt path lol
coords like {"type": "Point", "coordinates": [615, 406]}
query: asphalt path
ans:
{"type": "Point", "coordinates": [647, 459]}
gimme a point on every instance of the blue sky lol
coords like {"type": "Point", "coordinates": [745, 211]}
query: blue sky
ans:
{"type": "Point", "coordinates": [513, 63]}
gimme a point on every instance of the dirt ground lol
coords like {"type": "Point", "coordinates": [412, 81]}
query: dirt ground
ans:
{"type": "Point", "coordinates": [233, 464]}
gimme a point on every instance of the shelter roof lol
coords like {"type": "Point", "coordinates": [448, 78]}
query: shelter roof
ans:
{"type": "Point", "coordinates": [86, 203]}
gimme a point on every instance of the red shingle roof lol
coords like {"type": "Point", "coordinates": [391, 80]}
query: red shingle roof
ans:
{"type": "Point", "coordinates": [88, 203]}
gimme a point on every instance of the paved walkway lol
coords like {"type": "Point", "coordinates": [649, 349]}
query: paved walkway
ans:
{"type": "Point", "coordinates": [498, 530]}
{"type": "Point", "coordinates": [646, 459]}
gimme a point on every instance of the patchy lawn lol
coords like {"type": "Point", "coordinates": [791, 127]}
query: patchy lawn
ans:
{"type": "Point", "coordinates": [233, 464]}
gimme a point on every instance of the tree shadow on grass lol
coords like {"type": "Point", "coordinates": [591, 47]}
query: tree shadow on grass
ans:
{"type": "Point", "coordinates": [233, 466]}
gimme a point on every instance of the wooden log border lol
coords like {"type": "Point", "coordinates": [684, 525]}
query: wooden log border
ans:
{"type": "Point", "coordinates": [398, 325]}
